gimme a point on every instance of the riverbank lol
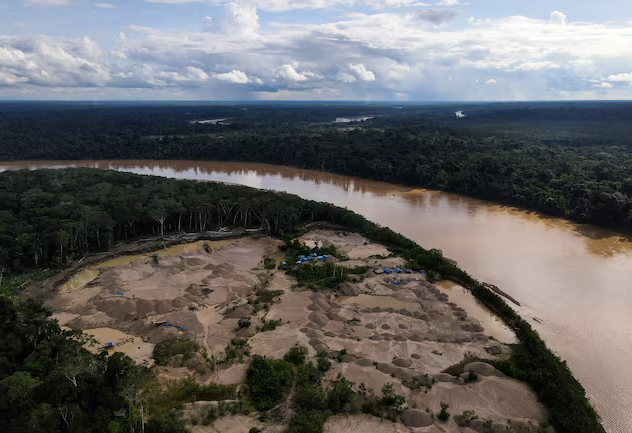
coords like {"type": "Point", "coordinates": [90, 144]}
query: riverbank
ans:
{"type": "Point", "coordinates": [316, 211]}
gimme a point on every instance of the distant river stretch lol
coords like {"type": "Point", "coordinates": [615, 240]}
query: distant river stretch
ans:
{"type": "Point", "coordinates": [575, 279]}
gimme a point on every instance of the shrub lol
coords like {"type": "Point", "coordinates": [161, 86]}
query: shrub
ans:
{"type": "Point", "coordinates": [444, 415]}
{"type": "Point", "coordinates": [296, 355]}
{"type": "Point", "coordinates": [311, 397]}
{"type": "Point", "coordinates": [270, 325]}
{"type": "Point", "coordinates": [340, 394]}
{"type": "Point", "coordinates": [471, 377]}
{"type": "Point", "coordinates": [166, 423]}
{"type": "Point", "coordinates": [323, 362]}
{"type": "Point", "coordinates": [311, 421]}
{"type": "Point", "coordinates": [165, 350]}
{"type": "Point", "coordinates": [268, 380]}
{"type": "Point", "coordinates": [269, 263]}
{"type": "Point", "coordinates": [244, 323]}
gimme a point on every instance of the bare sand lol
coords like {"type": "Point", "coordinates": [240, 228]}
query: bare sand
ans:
{"type": "Point", "coordinates": [391, 333]}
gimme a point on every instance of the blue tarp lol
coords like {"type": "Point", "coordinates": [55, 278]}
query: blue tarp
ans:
{"type": "Point", "coordinates": [284, 263]}
{"type": "Point", "coordinates": [120, 293]}
{"type": "Point", "coordinates": [320, 257]}
{"type": "Point", "coordinates": [387, 271]}
{"type": "Point", "coordinates": [298, 262]}
{"type": "Point", "coordinates": [398, 270]}
{"type": "Point", "coordinates": [310, 258]}
{"type": "Point", "coordinates": [326, 256]}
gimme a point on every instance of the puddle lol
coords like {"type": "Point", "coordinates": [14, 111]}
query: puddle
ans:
{"type": "Point", "coordinates": [88, 274]}
{"type": "Point", "coordinates": [463, 298]}
{"type": "Point", "coordinates": [371, 301]}
{"type": "Point", "coordinates": [132, 346]}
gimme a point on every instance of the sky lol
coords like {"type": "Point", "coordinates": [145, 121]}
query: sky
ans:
{"type": "Point", "coordinates": [365, 50]}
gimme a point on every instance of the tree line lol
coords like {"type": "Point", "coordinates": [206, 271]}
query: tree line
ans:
{"type": "Point", "coordinates": [569, 162]}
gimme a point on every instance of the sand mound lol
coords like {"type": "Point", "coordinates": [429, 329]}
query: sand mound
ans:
{"type": "Point", "coordinates": [416, 418]}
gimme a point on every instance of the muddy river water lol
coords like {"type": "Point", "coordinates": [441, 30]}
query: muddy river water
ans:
{"type": "Point", "coordinates": [574, 281]}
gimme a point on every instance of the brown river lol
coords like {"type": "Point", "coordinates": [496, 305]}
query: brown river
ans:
{"type": "Point", "coordinates": [574, 281]}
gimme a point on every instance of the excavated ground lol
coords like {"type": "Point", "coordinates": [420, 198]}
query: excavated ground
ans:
{"type": "Point", "coordinates": [404, 334]}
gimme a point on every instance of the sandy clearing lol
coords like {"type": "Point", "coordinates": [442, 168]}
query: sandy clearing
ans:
{"type": "Point", "coordinates": [489, 397]}
{"type": "Point", "coordinates": [410, 329]}
{"type": "Point", "coordinates": [234, 374]}
{"type": "Point", "coordinates": [275, 344]}
{"type": "Point", "coordinates": [369, 376]}
{"type": "Point", "coordinates": [132, 346]}
{"type": "Point", "coordinates": [63, 318]}
{"type": "Point", "coordinates": [365, 251]}
{"type": "Point", "coordinates": [362, 424]}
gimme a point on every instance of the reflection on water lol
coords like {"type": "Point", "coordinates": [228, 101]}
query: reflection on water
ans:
{"type": "Point", "coordinates": [575, 278]}
{"type": "Point", "coordinates": [475, 309]}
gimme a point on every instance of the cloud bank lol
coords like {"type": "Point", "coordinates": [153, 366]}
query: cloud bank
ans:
{"type": "Point", "coordinates": [379, 54]}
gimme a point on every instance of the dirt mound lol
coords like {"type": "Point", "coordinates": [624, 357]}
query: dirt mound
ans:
{"type": "Point", "coordinates": [416, 418]}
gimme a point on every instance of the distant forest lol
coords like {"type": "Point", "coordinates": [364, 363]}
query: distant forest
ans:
{"type": "Point", "coordinates": [571, 160]}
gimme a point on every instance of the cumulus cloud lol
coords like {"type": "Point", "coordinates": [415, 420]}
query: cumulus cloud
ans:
{"type": "Point", "coordinates": [105, 5]}
{"type": "Point", "coordinates": [491, 81]}
{"type": "Point", "coordinates": [621, 77]}
{"type": "Point", "coordinates": [237, 19]}
{"type": "Point", "coordinates": [234, 76]}
{"type": "Point", "coordinates": [289, 73]}
{"type": "Point", "coordinates": [437, 16]}
{"type": "Point", "coordinates": [447, 2]}
{"type": "Point", "coordinates": [286, 5]}
{"type": "Point", "coordinates": [381, 55]}
{"type": "Point", "coordinates": [558, 18]}
{"type": "Point", "coordinates": [603, 85]}
{"type": "Point", "coordinates": [361, 72]}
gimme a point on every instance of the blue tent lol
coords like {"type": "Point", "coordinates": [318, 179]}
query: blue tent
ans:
{"type": "Point", "coordinates": [310, 258]}
{"type": "Point", "coordinates": [387, 271]}
{"type": "Point", "coordinates": [320, 257]}
{"type": "Point", "coordinates": [326, 256]}
{"type": "Point", "coordinates": [398, 270]}
{"type": "Point", "coordinates": [298, 262]}
{"type": "Point", "coordinates": [284, 263]}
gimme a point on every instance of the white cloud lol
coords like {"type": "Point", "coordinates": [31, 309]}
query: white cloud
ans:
{"type": "Point", "coordinates": [447, 2]}
{"type": "Point", "coordinates": [234, 76]}
{"type": "Point", "coordinates": [377, 55]}
{"type": "Point", "coordinates": [620, 77]}
{"type": "Point", "coordinates": [289, 73]}
{"type": "Point", "coordinates": [286, 5]}
{"type": "Point", "coordinates": [558, 18]}
{"type": "Point", "coordinates": [105, 5]}
{"type": "Point", "coordinates": [603, 85]}
{"type": "Point", "coordinates": [361, 72]}
{"type": "Point", "coordinates": [237, 20]}
{"type": "Point", "coordinates": [491, 81]}
{"type": "Point", "coordinates": [50, 2]}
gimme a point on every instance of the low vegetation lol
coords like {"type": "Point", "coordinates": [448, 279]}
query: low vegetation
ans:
{"type": "Point", "coordinates": [166, 350]}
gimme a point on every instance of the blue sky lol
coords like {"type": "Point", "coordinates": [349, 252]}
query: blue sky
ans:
{"type": "Point", "coordinates": [409, 50]}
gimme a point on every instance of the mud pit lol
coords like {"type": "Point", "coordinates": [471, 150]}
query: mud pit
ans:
{"type": "Point", "coordinates": [403, 333]}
